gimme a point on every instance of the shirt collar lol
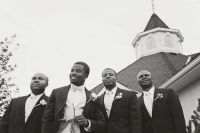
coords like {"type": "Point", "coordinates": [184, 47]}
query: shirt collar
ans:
{"type": "Point", "coordinates": [74, 87]}
{"type": "Point", "coordinates": [113, 91]}
{"type": "Point", "coordinates": [33, 96]}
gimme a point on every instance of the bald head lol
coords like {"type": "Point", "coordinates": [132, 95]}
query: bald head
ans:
{"type": "Point", "coordinates": [41, 75]}
{"type": "Point", "coordinates": [38, 84]}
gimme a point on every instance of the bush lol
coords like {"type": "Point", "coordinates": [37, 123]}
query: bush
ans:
{"type": "Point", "coordinates": [7, 87]}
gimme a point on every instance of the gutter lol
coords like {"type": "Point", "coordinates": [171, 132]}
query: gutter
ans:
{"type": "Point", "coordinates": [181, 73]}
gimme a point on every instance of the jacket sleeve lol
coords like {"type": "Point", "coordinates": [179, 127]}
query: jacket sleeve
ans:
{"type": "Point", "coordinates": [4, 123]}
{"type": "Point", "coordinates": [135, 114]}
{"type": "Point", "coordinates": [48, 116]}
{"type": "Point", "coordinates": [177, 113]}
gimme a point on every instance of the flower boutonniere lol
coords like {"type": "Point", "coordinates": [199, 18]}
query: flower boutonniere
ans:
{"type": "Point", "coordinates": [159, 96]}
{"type": "Point", "coordinates": [118, 96]}
{"type": "Point", "coordinates": [93, 97]}
{"type": "Point", "coordinates": [42, 102]}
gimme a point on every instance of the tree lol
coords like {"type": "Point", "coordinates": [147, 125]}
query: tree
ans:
{"type": "Point", "coordinates": [7, 86]}
{"type": "Point", "coordinates": [195, 120]}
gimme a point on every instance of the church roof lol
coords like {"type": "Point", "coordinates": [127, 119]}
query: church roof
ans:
{"type": "Point", "coordinates": [192, 57]}
{"type": "Point", "coordinates": [155, 22]}
{"type": "Point", "coordinates": [162, 66]}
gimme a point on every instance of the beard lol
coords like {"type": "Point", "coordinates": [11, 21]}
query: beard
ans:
{"type": "Point", "coordinates": [109, 86]}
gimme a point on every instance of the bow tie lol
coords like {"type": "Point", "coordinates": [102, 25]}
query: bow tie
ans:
{"type": "Point", "coordinates": [75, 88]}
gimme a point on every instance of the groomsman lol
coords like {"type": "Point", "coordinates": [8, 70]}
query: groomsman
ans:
{"type": "Point", "coordinates": [121, 107]}
{"type": "Point", "coordinates": [24, 114]}
{"type": "Point", "coordinates": [160, 108]}
{"type": "Point", "coordinates": [71, 108]}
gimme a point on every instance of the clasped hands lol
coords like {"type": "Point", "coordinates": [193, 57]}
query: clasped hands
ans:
{"type": "Point", "coordinates": [81, 120]}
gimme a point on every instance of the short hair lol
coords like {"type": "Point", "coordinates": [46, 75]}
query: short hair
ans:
{"type": "Point", "coordinates": [143, 71]}
{"type": "Point", "coordinates": [111, 70]}
{"type": "Point", "coordinates": [85, 66]}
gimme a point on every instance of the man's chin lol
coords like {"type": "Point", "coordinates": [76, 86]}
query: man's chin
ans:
{"type": "Point", "coordinates": [146, 86]}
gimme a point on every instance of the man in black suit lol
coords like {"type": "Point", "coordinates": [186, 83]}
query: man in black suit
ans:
{"type": "Point", "coordinates": [160, 108]}
{"type": "Point", "coordinates": [71, 109]}
{"type": "Point", "coordinates": [24, 114]}
{"type": "Point", "coordinates": [121, 107]}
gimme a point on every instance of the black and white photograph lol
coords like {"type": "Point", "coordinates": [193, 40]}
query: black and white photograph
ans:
{"type": "Point", "coordinates": [100, 66]}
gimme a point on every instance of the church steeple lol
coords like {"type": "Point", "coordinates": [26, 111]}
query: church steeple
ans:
{"type": "Point", "coordinates": [155, 22]}
{"type": "Point", "coordinates": [157, 37]}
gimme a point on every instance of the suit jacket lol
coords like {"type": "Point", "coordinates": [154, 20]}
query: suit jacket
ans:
{"type": "Point", "coordinates": [55, 111]}
{"type": "Point", "coordinates": [124, 115]}
{"type": "Point", "coordinates": [13, 120]}
{"type": "Point", "coordinates": [167, 114]}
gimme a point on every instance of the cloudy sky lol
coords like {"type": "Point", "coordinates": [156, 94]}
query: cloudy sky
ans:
{"type": "Point", "coordinates": [53, 34]}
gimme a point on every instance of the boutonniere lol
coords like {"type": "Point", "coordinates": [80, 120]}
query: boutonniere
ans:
{"type": "Point", "coordinates": [93, 97]}
{"type": "Point", "coordinates": [159, 96]}
{"type": "Point", "coordinates": [42, 102]}
{"type": "Point", "coordinates": [118, 96]}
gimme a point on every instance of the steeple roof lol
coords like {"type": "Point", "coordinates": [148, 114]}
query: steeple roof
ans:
{"type": "Point", "coordinates": [155, 22]}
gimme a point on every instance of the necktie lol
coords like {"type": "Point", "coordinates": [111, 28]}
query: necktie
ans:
{"type": "Point", "coordinates": [148, 102]}
{"type": "Point", "coordinates": [108, 102]}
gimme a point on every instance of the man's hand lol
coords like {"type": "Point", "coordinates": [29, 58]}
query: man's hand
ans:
{"type": "Point", "coordinates": [81, 121]}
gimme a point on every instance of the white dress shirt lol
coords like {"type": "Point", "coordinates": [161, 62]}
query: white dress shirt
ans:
{"type": "Point", "coordinates": [108, 100]}
{"type": "Point", "coordinates": [30, 104]}
{"type": "Point", "coordinates": [148, 99]}
{"type": "Point", "coordinates": [75, 103]}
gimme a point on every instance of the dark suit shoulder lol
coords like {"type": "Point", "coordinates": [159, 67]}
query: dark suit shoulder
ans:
{"type": "Point", "coordinates": [166, 91]}
{"type": "Point", "coordinates": [61, 89]}
{"type": "Point", "coordinates": [46, 97]}
{"type": "Point", "coordinates": [19, 98]}
{"type": "Point", "coordinates": [127, 92]}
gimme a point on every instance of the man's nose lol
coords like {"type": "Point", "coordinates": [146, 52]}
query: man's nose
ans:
{"type": "Point", "coordinates": [36, 81]}
{"type": "Point", "coordinates": [107, 76]}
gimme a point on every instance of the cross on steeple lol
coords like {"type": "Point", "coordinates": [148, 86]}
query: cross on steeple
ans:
{"type": "Point", "coordinates": [153, 6]}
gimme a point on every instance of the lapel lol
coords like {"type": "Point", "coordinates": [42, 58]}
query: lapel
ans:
{"type": "Point", "coordinates": [22, 107]}
{"type": "Point", "coordinates": [154, 102]}
{"type": "Point", "coordinates": [143, 107]}
{"type": "Point", "coordinates": [35, 109]}
{"type": "Point", "coordinates": [103, 105]}
{"type": "Point", "coordinates": [87, 93]}
{"type": "Point", "coordinates": [63, 98]}
{"type": "Point", "coordinates": [115, 102]}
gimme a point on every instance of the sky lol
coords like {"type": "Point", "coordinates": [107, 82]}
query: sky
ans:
{"type": "Point", "coordinates": [54, 34]}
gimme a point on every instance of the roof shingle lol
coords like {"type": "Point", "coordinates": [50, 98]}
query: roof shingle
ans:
{"type": "Point", "coordinates": [162, 66]}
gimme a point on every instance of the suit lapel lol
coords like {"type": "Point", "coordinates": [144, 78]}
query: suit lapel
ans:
{"type": "Point", "coordinates": [115, 102]}
{"type": "Point", "coordinates": [87, 95]}
{"type": "Point", "coordinates": [35, 108]}
{"type": "Point", "coordinates": [143, 107]}
{"type": "Point", "coordinates": [63, 98]}
{"type": "Point", "coordinates": [103, 105]}
{"type": "Point", "coordinates": [154, 101]}
{"type": "Point", "coordinates": [22, 107]}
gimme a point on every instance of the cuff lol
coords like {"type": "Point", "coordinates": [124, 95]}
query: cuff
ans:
{"type": "Point", "coordinates": [88, 128]}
